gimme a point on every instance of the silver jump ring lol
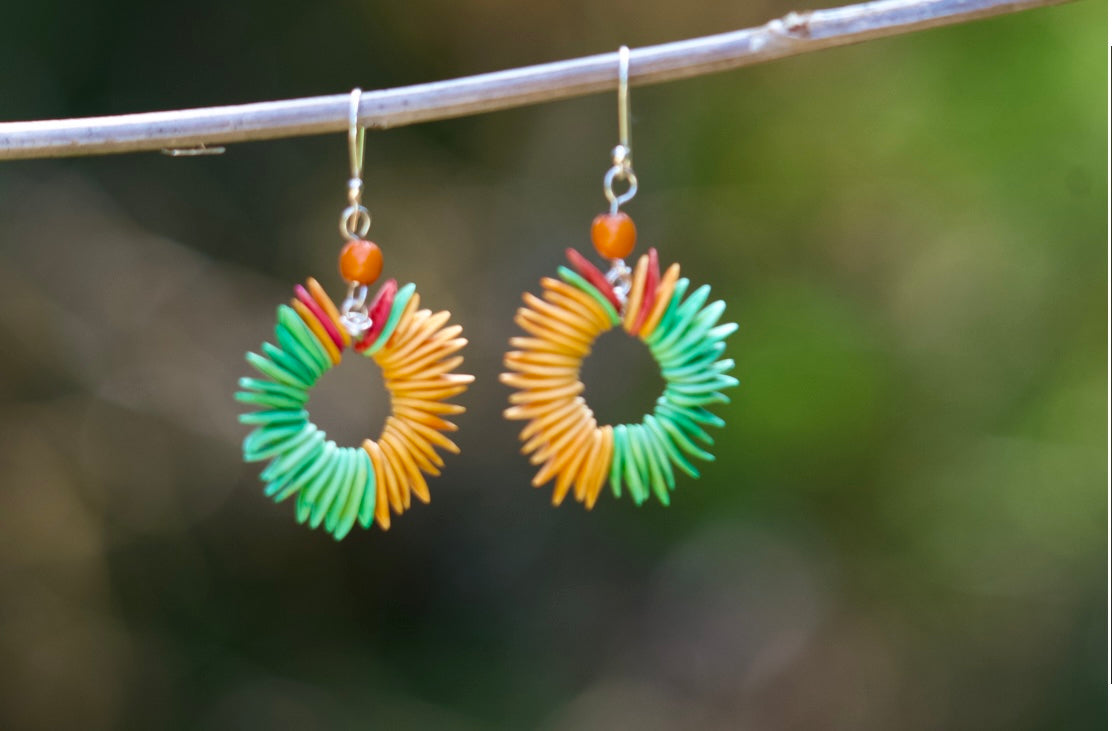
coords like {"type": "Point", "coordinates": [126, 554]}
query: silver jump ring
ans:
{"type": "Point", "coordinates": [355, 222]}
{"type": "Point", "coordinates": [619, 172]}
{"type": "Point", "coordinates": [353, 311]}
{"type": "Point", "coordinates": [620, 277]}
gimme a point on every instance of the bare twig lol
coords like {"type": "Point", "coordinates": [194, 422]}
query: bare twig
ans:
{"type": "Point", "coordinates": [791, 35]}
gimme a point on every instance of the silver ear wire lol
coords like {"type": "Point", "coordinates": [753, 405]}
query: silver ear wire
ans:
{"type": "Point", "coordinates": [355, 220]}
{"type": "Point", "coordinates": [621, 156]}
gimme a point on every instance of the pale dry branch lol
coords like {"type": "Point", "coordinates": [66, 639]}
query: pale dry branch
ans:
{"type": "Point", "coordinates": [794, 34]}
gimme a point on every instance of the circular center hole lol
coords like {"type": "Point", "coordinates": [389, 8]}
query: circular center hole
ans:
{"type": "Point", "coordinates": [622, 379]}
{"type": "Point", "coordinates": [350, 402]}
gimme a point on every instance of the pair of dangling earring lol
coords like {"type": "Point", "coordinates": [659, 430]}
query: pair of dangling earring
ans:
{"type": "Point", "coordinates": [418, 352]}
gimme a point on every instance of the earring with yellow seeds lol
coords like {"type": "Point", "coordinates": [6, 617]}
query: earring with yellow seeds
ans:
{"type": "Point", "coordinates": [561, 436]}
{"type": "Point", "coordinates": [337, 486]}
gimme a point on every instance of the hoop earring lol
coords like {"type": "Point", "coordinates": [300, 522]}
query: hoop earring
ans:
{"type": "Point", "coordinates": [562, 436]}
{"type": "Point", "coordinates": [416, 350]}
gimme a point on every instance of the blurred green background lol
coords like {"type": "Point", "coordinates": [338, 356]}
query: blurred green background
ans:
{"type": "Point", "coordinates": [904, 527]}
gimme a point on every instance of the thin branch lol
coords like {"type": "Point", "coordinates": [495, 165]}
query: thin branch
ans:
{"type": "Point", "coordinates": [794, 34]}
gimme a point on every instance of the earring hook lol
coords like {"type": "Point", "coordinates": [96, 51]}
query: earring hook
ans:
{"type": "Point", "coordinates": [622, 155]}
{"type": "Point", "coordinates": [623, 99]}
{"type": "Point", "coordinates": [356, 134]}
{"type": "Point", "coordinates": [355, 221]}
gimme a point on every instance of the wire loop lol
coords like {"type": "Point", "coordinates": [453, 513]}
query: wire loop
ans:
{"type": "Point", "coordinates": [355, 222]}
{"type": "Point", "coordinates": [353, 311]}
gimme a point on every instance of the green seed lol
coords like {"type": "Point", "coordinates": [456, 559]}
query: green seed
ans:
{"type": "Point", "coordinates": [665, 325]}
{"type": "Point", "coordinates": [289, 319]}
{"type": "Point", "coordinates": [257, 384]}
{"type": "Point", "coordinates": [337, 487]}
{"type": "Point", "coordinates": [635, 470]}
{"type": "Point", "coordinates": [658, 454]}
{"type": "Point", "coordinates": [367, 509]}
{"type": "Point", "coordinates": [688, 400]}
{"type": "Point", "coordinates": [292, 459]}
{"type": "Point", "coordinates": [351, 510]}
{"type": "Point", "coordinates": [401, 299]}
{"type": "Point", "coordinates": [274, 417]}
{"type": "Point", "coordinates": [665, 441]}
{"type": "Point", "coordinates": [290, 363]}
{"type": "Point", "coordinates": [700, 327]}
{"type": "Point", "coordinates": [684, 442]}
{"type": "Point", "coordinates": [285, 486]}
{"type": "Point", "coordinates": [683, 418]}
{"type": "Point", "coordinates": [268, 441]}
{"type": "Point", "coordinates": [310, 490]}
{"type": "Point", "coordinates": [336, 510]}
{"type": "Point", "coordinates": [269, 400]}
{"type": "Point", "coordinates": [293, 347]}
{"type": "Point", "coordinates": [274, 371]}
{"type": "Point", "coordinates": [616, 461]}
{"type": "Point", "coordinates": [650, 472]}
{"type": "Point", "coordinates": [684, 318]}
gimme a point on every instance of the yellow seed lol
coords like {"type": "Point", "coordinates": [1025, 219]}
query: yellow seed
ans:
{"type": "Point", "coordinates": [434, 437]}
{"type": "Point", "coordinates": [602, 466]}
{"type": "Point", "coordinates": [415, 481]}
{"type": "Point", "coordinates": [390, 480]}
{"type": "Point", "coordinates": [553, 324]}
{"type": "Point", "coordinates": [525, 397]}
{"type": "Point", "coordinates": [595, 319]}
{"type": "Point", "coordinates": [529, 383]}
{"type": "Point", "coordinates": [557, 426]}
{"type": "Point", "coordinates": [587, 469]}
{"type": "Point", "coordinates": [563, 454]}
{"type": "Point", "coordinates": [318, 329]}
{"type": "Point", "coordinates": [562, 315]}
{"type": "Point", "coordinates": [575, 455]}
{"type": "Point", "coordinates": [543, 419]}
{"type": "Point", "coordinates": [431, 406]}
{"type": "Point", "coordinates": [427, 458]}
{"type": "Point", "coordinates": [391, 453]}
{"type": "Point", "coordinates": [559, 445]}
{"type": "Point", "coordinates": [548, 359]}
{"type": "Point", "coordinates": [321, 298]}
{"type": "Point", "coordinates": [545, 331]}
{"type": "Point", "coordinates": [382, 507]}
{"type": "Point", "coordinates": [636, 293]}
{"type": "Point", "coordinates": [585, 300]}
{"type": "Point", "coordinates": [545, 346]}
{"type": "Point", "coordinates": [407, 413]}
{"type": "Point", "coordinates": [663, 298]}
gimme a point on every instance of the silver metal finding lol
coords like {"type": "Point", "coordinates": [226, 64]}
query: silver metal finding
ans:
{"type": "Point", "coordinates": [624, 138]}
{"type": "Point", "coordinates": [622, 155]}
{"type": "Point", "coordinates": [355, 220]}
{"type": "Point", "coordinates": [620, 278]}
{"type": "Point", "coordinates": [356, 135]}
{"type": "Point", "coordinates": [353, 311]}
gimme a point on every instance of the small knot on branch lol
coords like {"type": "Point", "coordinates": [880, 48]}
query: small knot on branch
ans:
{"type": "Point", "coordinates": [796, 25]}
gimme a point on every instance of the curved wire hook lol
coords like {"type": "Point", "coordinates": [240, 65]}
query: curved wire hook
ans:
{"type": "Point", "coordinates": [356, 134]}
{"type": "Point", "coordinates": [622, 155]}
{"type": "Point", "coordinates": [623, 99]}
{"type": "Point", "coordinates": [355, 220]}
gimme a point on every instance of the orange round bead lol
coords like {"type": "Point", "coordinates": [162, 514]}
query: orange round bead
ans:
{"type": "Point", "coordinates": [613, 235]}
{"type": "Point", "coordinates": [360, 261]}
